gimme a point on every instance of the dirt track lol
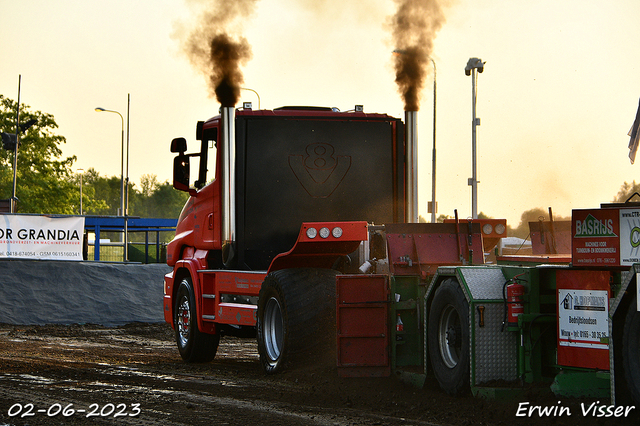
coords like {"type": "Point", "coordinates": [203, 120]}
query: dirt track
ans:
{"type": "Point", "coordinates": [133, 375]}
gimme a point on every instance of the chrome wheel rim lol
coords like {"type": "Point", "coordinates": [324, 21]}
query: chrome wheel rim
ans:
{"type": "Point", "coordinates": [183, 321]}
{"type": "Point", "coordinates": [450, 336]}
{"type": "Point", "coordinates": [273, 329]}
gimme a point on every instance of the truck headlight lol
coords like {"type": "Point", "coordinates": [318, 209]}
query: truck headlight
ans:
{"type": "Point", "coordinates": [312, 233]}
{"type": "Point", "coordinates": [324, 232]}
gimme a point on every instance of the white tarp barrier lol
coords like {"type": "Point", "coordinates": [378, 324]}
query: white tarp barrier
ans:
{"type": "Point", "coordinates": [41, 237]}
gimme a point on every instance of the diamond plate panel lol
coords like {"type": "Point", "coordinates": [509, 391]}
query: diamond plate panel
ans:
{"type": "Point", "coordinates": [495, 351]}
{"type": "Point", "coordinates": [484, 283]}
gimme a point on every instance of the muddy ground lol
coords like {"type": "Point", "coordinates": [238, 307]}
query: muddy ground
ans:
{"type": "Point", "coordinates": [133, 375]}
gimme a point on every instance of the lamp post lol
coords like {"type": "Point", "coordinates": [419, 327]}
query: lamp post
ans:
{"type": "Point", "coordinates": [121, 161]}
{"type": "Point", "coordinates": [123, 207]}
{"type": "Point", "coordinates": [126, 205]}
{"type": "Point", "coordinates": [433, 159]}
{"type": "Point", "coordinates": [472, 65]}
{"type": "Point", "coordinates": [14, 198]}
{"type": "Point", "coordinates": [251, 90]}
{"type": "Point", "coordinates": [80, 171]}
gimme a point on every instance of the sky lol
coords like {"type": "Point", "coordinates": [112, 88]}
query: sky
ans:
{"type": "Point", "coordinates": [557, 97]}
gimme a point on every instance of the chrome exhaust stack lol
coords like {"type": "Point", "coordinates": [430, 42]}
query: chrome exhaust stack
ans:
{"type": "Point", "coordinates": [411, 168]}
{"type": "Point", "coordinates": [228, 146]}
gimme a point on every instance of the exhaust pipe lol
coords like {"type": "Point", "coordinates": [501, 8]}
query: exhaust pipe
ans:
{"type": "Point", "coordinates": [228, 146]}
{"type": "Point", "coordinates": [411, 180]}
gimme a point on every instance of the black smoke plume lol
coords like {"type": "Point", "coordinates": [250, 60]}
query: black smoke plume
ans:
{"type": "Point", "coordinates": [414, 27]}
{"type": "Point", "coordinates": [216, 53]}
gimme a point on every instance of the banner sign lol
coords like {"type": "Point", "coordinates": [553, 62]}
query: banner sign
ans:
{"type": "Point", "coordinates": [596, 237]}
{"type": "Point", "coordinates": [583, 318]}
{"type": "Point", "coordinates": [606, 237]}
{"type": "Point", "coordinates": [41, 237]}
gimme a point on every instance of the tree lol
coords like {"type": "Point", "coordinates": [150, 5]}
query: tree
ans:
{"type": "Point", "coordinates": [149, 184]}
{"type": "Point", "coordinates": [164, 201]}
{"type": "Point", "coordinates": [626, 191]}
{"type": "Point", "coordinates": [44, 181]}
{"type": "Point", "coordinates": [90, 205]}
{"type": "Point", "coordinates": [532, 215]}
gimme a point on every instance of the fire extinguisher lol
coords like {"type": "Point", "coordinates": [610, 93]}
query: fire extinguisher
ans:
{"type": "Point", "coordinates": [514, 303]}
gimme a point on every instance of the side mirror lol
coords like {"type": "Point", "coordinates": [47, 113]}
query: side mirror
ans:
{"type": "Point", "coordinates": [181, 173]}
{"type": "Point", "coordinates": [179, 145]}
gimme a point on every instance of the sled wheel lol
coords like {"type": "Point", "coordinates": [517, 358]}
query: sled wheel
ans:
{"type": "Point", "coordinates": [296, 318]}
{"type": "Point", "coordinates": [448, 338]}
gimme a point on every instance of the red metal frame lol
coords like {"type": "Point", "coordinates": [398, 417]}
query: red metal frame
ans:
{"type": "Point", "coordinates": [491, 239]}
{"type": "Point", "coordinates": [362, 340]}
{"type": "Point", "coordinates": [321, 252]}
{"type": "Point", "coordinates": [217, 283]}
{"type": "Point", "coordinates": [420, 248]}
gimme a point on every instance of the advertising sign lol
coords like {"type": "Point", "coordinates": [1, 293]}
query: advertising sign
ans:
{"type": "Point", "coordinates": [596, 237]}
{"type": "Point", "coordinates": [629, 236]}
{"type": "Point", "coordinates": [41, 237]}
{"type": "Point", "coordinates": [606, 237]}
{"type": "Point", "coordinates": [583, 318]}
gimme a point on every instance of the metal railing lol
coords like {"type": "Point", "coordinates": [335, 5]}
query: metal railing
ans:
{"type": "Point", "coordinates": [147, 250]}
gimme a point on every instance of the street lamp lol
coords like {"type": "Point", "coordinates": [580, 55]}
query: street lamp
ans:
{"type": "Point", "coordinates": [14, 198]}
{"type": "Point", "coordinates": [98, 109]}
{"type": "Point", "coordinates": [123, 207]}
{"type": "Point", "coordinates": [433, 159]}
{"type": "Point", "coordinates": [251, 90]}
{"type": "Point", "coordinates": [80, 171]}
{"type": "Point", "coordinates": [472, 65]}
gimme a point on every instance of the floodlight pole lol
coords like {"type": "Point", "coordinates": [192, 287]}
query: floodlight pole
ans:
{"type": "Point", "coordinates": [474, 66]}
{"type": "Point", "coordinates": [474, 165]}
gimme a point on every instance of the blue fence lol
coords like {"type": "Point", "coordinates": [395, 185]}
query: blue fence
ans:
{"type": "Point", "coordinates": [134, 225]}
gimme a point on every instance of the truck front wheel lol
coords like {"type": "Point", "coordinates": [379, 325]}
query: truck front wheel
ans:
{"type": "Point", "coordinates": [193, 345]}
{"type": "Point", "coordinates": [631, 350]}
{"type": "Point", "coordinates": [448, 338]}
{"type": "Point", "coordinates": [296, 317]}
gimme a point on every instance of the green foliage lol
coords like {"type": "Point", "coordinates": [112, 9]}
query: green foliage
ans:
{"type": "Point", "coordinates": [154, 199]}
{"type": "Point", "coordinates": [105, 193]}
{"type": "Point", "coordinates": [44, 183]}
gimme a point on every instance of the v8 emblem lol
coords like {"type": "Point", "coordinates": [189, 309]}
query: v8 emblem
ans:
{"type": "Point", "coordinates": [320, 171]}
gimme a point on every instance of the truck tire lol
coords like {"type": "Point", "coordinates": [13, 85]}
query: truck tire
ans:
{"type": "Point", "coordinates": [296, 318]}
{"type": "Point", "coordinates": [631, 350]}
{"type": "Point", "coordinates": [448, 338]}
{"type": "Point", "coordinates": [193, 345]}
